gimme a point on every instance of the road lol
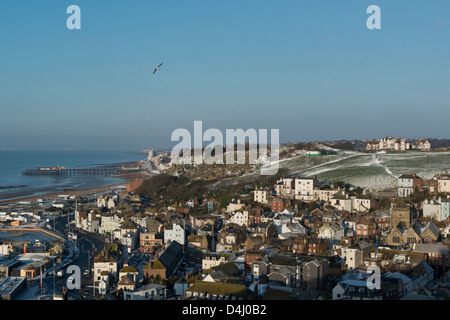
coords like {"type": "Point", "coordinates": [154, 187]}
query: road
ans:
{"type": "Point", "coordinates": [88, 245]}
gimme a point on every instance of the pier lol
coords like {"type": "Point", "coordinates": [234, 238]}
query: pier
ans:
{"type": "Point", "coordinates": [78, 172]}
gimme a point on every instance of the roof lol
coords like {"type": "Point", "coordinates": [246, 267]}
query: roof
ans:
{"type": "Point", "coordinates": [409, 176]}
{"type": "Point", "coordinates": [229, 268]}
{"type": "Point", "coordinates": [219, 288]}
{"type": "Point", "coordinates": [381, 214]}
{"type": "Point", "coordinates": [129, 269]}
{"type": "Point", "coordinates": [398, 275]}
{"type": "Point", "coordinates": [431, 248]}
{"type": "Point", "coordinates": [173, 251]}
{"type": "Point", "coordinates": [101, 258]}
{"type": "Point", "coordinates": [431, 226]}
{"type": "Point", "coordinates": [283, 260]}
{"type": "Point", "coordinates": [126, 281]}
{"type": "Point", "coordinates": [340, 195]}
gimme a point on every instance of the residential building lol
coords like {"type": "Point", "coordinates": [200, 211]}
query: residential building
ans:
{"type": "Point", "coordinates": [235, 205]}
{"type": "Point", "coordinates": [175, 232]}
{"type": "Point", "coordinates": [149, 242]}
{"type": "Point", "coordinates": [388, 143]}
{"type": "Point", "coordinates": [285, 187]}
{"type": "Point", "coordinates": [382, 219]}
{"type": "Point", "coordinates": [365, 228]}
{"type": "Point", "coordinates": [110, 223]}
{"type": "Point", "coordinates": [151, 291]}
{"type": "Point", "coordinates": [105, 262]}
{"type": "Point", "coordinates": [126, 284]}
{"type": "Point", "coordinates": [444, 184]}
{"type": "Point", "coordinates": [355, 290]}
{"type": "Point", "coordinates": [213, 259]}
{"type": "Point", "coordinates": [422, 145]}
{"type": "Point", "coordinates": [353, 255]}
{"type": "Point", "coordinates": [279, 204]}
{"type": "Point", "coordinates": [437, 255]}
{"type": "Point", "coordinates": [304, 188]}
{"type": "Point", "coordinates": [217, 291]}
{"type": "Point", "coordinates": [332, 231]}
{"type": "Point", "coordinates": [262, 195]}
{"type": "Point", "coordinates": [315, 272]}
{"type": "Point", "coordinates": [408, 184]}
{"type": "Point", "coordinates": [239, 218]}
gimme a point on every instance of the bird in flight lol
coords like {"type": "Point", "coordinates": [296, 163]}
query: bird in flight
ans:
{"type": "Point", "coordinates": [157, 68]}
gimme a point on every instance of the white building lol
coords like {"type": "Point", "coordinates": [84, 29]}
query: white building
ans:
{"type": "Point", "coordinates": [110, 223]}
{"type": "Point", "coordinates": [261, 196]}
{"type": "Point", "coordinates": [175, 232]}
{"type": "Point", "coordinates": [331, 231]}
{"type": "Point", "coordinates": [388, 143]}
{"type": "Point", "coordinates": [105, 267]}
{"type": "Point", "coordinates": [107, 201]}
{"type": "Point", "coordinates": [240, 218]}
{"type": "Point", "coordinates": [444, 184]}
{"type": "Point", "coordinates": [304, 188]}
{"type": "Point", "coordinates": [343, 201]}
{"type": "Point", "coordinates": [235, 205]}
{"type": "Point", "coordinates": [437, 209]}
{"type": "Point", "coordinates": [89, 222]}
{"type": "Point", "coordinates": [151, 291]}
{"type": "Point", "coordinates": [281, 221]}
{"type": "Point", "coordinates": [213, 259]}
{"type": "Point", "coordinates": [407, 183]}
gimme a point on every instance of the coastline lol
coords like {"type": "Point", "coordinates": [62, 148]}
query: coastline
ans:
{"type": "Point", "coordinates": [54, 195]}
{"type": "Point", "coordinates": [16, 197]}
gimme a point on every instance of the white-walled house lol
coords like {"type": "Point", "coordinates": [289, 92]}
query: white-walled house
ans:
{"type": "Point", "coordinates": [110, 223]}
{"type": "Point", "coordinates": [239, 218]}
{"type": "Point", "coordinates": [175, 232]}
{"type": "Point", "coordinates": [332, 231]}
{"type": "Point", "coordinates": [261, 195]}
{"type": "Point", "coordinates": [304, 188]}
{"type": "Point", "coordinates": [281, 221]}
{"type": "Point", "coordinates": [151, 291]}
{"type": "Point", "coordinates": [438, 209]}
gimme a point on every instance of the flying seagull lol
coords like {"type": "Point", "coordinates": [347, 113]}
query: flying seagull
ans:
{"type": "Point", "coordinates": [157, 68]}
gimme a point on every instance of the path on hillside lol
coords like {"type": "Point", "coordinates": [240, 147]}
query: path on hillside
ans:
{"type": "Point", "coordinates": [378, 163]}
{"type": "Point", "coordinates": [326, 163]}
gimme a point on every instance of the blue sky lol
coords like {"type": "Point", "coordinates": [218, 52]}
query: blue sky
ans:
{"type": "Point", "coordinates": [310, 69]}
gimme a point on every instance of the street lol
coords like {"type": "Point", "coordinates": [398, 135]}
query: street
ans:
{"type": "Point", "coordinates": [88, 246]}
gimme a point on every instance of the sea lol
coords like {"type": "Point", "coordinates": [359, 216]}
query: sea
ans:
{"type": "Point", "coordinates": [14, 185]}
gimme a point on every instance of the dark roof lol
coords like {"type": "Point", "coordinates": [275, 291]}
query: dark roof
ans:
{"type": "Point", "coordinates": [283, 260]}
{"type": "Point", "coordinates": [409, 176]}
{"type": "Point", "coordinates": [171, 253]}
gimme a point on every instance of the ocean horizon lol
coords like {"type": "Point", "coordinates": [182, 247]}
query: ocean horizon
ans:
{"type": "Point", "coordinates": [14, 185]}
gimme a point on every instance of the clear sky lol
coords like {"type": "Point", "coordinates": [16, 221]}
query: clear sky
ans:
{"type": "Point", "coordinates": [311, 69]}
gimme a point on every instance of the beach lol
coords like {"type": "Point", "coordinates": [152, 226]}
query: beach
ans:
{"type": "Point", "coordinates": [17, 197]}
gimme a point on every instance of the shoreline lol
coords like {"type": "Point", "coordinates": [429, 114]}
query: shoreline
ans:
{"type": "Point", "coordinates": [55, 195]}
{"type": "Point", "coordinates": [15, 198]}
